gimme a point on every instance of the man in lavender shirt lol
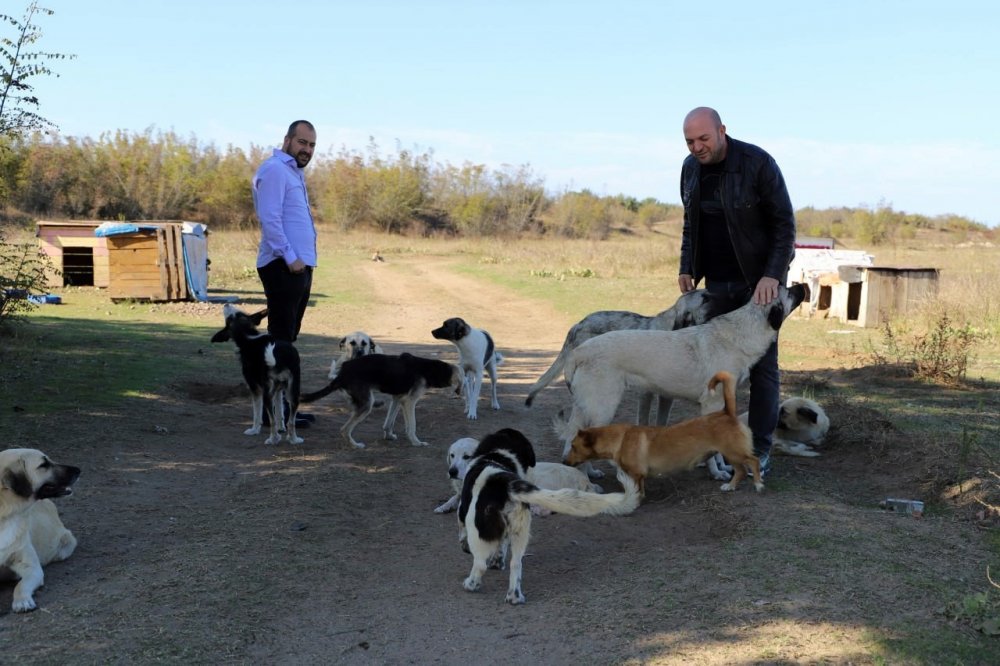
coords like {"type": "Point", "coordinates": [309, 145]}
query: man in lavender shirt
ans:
{"type": "Point", "coordinates": [287, 252]}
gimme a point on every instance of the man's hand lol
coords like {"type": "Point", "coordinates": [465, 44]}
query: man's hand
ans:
{"type": "Point", "coordinates": [685, 282]}
{"type": "Point", "coordinates": [297, 266]}
{"type": "Point", "coordinates": [766, 291]}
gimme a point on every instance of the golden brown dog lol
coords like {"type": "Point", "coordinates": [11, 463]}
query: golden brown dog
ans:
{"type": "Point", "coordinates": [642, 450]}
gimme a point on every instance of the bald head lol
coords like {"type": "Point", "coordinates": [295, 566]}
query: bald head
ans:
{"type": "Point", "coordinates": [705, 135]}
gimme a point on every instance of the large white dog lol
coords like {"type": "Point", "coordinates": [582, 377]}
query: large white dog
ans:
{"type": "Point", "coordinates": [676, 364]}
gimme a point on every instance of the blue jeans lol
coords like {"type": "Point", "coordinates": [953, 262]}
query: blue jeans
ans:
{"type": "Point", "coordinates": [765, 380]}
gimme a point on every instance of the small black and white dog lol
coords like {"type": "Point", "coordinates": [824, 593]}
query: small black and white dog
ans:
{"type": "Point", "coordinates": [405, 378]}
{"type": "Point", "coordinates": [493, 513]}
{"type": "Point", "coordinates": [271, 370]}
{"type": "Point", "coordinates": [476, 355]}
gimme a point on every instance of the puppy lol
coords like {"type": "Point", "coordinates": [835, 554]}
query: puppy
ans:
{"type": "Point", "coordinates": [405, 378]}
{"type": "Point", "coordinates": [642, 450]}
{"type": "Point", "coordinates": [271, 369]}
{"type": "Point", "coordinates": [547, 475]}
{"type": "Point", "coordinates": [476, 354]}
{"type": "Point", "coordinates": [31, 534]}
{"type": "Point", "coordinates": [493, 514]}
{"type": "Point", "coordinates": [352, 346]}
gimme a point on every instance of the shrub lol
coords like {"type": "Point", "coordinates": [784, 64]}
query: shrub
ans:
{"type": "Point", "coordinates": [23, 271]}
{"type": "Point", "coordinates": [940, 354]}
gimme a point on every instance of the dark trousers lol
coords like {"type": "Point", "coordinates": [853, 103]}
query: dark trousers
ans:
{"type": "Point", "coordinates": [287, 296]}
{"type": "Point", "coordinates": [765, 380]}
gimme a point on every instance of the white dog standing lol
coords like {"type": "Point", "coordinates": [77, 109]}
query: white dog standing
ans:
{"type": "Point", "coordinates": [476, 355]}
{"type": "Point", "coordinates": [678, 364]}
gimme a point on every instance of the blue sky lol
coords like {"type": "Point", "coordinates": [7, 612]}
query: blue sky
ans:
{"type": "Point", "coordinates": [859, 102]}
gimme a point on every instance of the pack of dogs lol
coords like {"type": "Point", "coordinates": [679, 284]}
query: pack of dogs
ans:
{"type": "Point", "coordinates": [496, 484]}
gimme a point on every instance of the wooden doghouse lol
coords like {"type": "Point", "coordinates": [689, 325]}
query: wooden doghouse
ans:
{"type": "Point", "coordinates": [889, 292]}
{"type": "Point", "coordinates": [147, 264]}
{"type": "Point", "coordinates": [80, 257]}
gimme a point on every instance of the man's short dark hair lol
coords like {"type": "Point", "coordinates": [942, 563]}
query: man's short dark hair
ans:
{"type": "Point", "coordinates": [294, 126]}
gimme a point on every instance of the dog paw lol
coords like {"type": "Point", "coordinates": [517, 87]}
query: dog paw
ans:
{"type": "Point", "coordinates": [419, 443]}
{"type": "Point", "coordinates": [514, 597]}
{"type": "Point", "coordinates": [726, 487]}
{"type": "Point", "coordinates": [540, 510]}
{"type": "Point", "coordinates": [23, 605]}
{"type": "Point", "coordinates": [295, 440]}
{"type": "Point", "coordinates": [496, 405]}
{"type": "Point", "coordinates": [758, 487]}
{"type": "Point", "coordinates": [252, 431]}
{"type": "Point", "coordinates": [273, 439]}
{"type": "Point", "coordinates": [721, 476]}
{"type": "Point", "coordinates": [390, 436]}
{"type": "Point", "coordinates": [471, 584]}
{"type": "Point", "coordinates": [357, 445]}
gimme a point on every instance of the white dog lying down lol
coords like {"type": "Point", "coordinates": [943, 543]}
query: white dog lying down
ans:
{"type": "Point", "coordinates": [546, 475]}
{"type": "Point", "coordinates": [802, 424]}
{"type": "Point", "coordinates": [31, 534]}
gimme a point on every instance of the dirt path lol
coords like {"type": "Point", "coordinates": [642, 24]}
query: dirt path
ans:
{"type": "Point", "coordinates": [201, 545]}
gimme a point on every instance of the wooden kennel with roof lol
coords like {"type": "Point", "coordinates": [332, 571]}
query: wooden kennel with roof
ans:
{"type": "Point", "coordinates": [148, 263]}
{"type": "Point", "coordinates": [80, 257]}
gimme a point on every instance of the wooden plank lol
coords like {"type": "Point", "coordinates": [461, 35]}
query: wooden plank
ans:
{"type": "Point", "coordinates": [135, 259]}
{"type": "Point", "coordinates": [69, 240]}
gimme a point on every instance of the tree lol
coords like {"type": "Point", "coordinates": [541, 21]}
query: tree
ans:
{"type": "Point", "coordinates": [18, 104]}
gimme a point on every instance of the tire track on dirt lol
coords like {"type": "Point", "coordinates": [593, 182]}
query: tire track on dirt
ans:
{"type": "Point", "coordinates": [416, 295]}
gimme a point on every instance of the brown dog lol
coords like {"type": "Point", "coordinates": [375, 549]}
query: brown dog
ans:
{"type": "Point", "coordinates": [641, 450]}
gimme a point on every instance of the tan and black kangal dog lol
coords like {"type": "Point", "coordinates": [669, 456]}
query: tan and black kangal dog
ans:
{"type": "Point", "coordinates": [644, 450]}
{"type": "Point", "coordinates": [31, 534]}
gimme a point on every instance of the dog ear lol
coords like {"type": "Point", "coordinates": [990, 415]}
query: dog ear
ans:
{"type": "Point", "coordinates": [258, 317]}
{"type": "Point", "coordinates": [18, 483]}
{"type": "Point", "coordinates": [776, 315]}
{"type": "Point", "coordinates": [221, 336]}
{"type": "Point", "coordinates": [808, 414]}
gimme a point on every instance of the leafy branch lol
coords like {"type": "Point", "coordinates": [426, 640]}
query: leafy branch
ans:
{"type": "Point", "coordinates": [18, 103]}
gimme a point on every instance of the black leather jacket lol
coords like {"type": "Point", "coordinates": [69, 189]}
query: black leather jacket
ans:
{"type": "Point", "coordinates": [758, 213]}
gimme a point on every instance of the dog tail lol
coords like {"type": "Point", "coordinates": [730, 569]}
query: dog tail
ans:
{"type": "Point", "coordinates": [581, 503]}
{"type": "Point", "coordinates": [562, 426]}
{"type": "Point", "coordinates": [554, 371]}
{"type": "Point", "coordinates": [326, 390]}
{"type": "Point", "coordinates": [728, 391]}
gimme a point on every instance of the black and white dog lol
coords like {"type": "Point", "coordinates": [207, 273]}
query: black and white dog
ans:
{"type": "Point", "coordinates": [493, 512]}
{"type": "Point", "coordinates": [476, 354]}
{"type": "Point", "coordinates": [405, 378]}
{"type": "Point", "coordinates": [271, 370]}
